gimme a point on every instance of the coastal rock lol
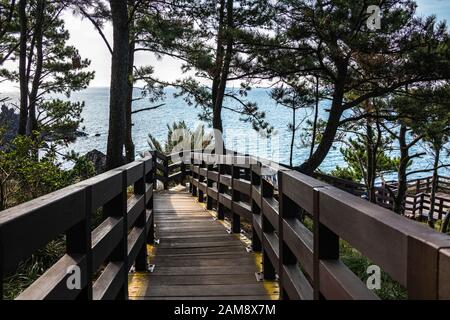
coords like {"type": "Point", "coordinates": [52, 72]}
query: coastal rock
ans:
{"type": "Point", "coordinates": [9, 120]}
{"type": "Point", "coordinates": [98, 158]}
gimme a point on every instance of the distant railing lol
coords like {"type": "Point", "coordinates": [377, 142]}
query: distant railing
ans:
{"type": "Point", "coordinates": [167, 172]}
{"type": "Point", "coordinates": [102, 257]}
{"type": "Point", "coordinates": [417, 202]}
{"type": "Point", "coordinates": [424, 185]}
{"type": "Point", "coordinates": [306, 257]}
{"type": "Point", "coordinates": [418, 198]}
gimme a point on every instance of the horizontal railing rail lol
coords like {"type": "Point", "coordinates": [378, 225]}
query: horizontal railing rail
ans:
{"type": "Point", "coordinates": [306, 256]}
{"type": "Point", "coordinates": [100, 257]}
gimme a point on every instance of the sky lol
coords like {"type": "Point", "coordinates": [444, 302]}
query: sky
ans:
{"type": "Point", "coordinates": [91, 46]}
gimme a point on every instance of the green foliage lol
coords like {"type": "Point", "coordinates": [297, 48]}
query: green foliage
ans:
{"type": "Point", "coordinates": [347, 173]}
{"type": "Point", "coordinates": [431, 109]}
{"type": "Point", "coordinates": [179, 136]}
{"type": "Point", "coordinates": [218, 51]}
{"type": "Point", "coordinates": [60, 71]}
{"type": "Point", "coordinates": [355, 261]}
{"type": "Point", "coordinates": [356, 157]}
{"type": "Point", "coordinates": [358, 264]}
{"type": "Point", "coordinates": [30, 170]}
{"type": "Point", "coordinates": [30, 269]}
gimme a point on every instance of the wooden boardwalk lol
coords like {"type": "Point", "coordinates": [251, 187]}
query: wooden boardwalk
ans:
{"type": "Point", "coordinates": [196, 257]}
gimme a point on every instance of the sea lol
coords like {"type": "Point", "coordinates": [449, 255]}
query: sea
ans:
{"type": "Point", "coordinates": [239, 135]}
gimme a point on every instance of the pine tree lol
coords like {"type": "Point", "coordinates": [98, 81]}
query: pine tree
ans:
{"type": "Point", "coordinates": [331, 40]}
{"type": "Point", "coordinates": [48, 66]}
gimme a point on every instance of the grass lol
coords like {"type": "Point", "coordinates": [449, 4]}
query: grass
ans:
{"type": "Point", "coordinates": [31, 269]}
{"type": "Point", "coordinates": [358, 264]}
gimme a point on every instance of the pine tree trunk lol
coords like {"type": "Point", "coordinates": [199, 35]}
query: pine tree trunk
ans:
{"type": "Point", "coordinates": [310, 165]}
{"type": "Point", "coordinates": [119, 84]}
{"type": "Point", "coordinates": [316, 119]}
{"type": "Point", "coordinates": [32, 124]}
{"type": "Point", "coordinates": [371, 162]}
{"type": "Point", "coordinates": [224, 72]}
{"type": "Point", "coordinates": [129, 145]}
{"type": "Point", "coordinates": [23, 115]}
{"type": "Point", "coordinates": [291, 155]}
{"type": "Point", "coordinates": [434, 188]}
{"type": "Point", "coordinates": [399, 200]}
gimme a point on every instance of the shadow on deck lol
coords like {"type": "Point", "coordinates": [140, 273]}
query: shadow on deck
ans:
{"type": "Point", "coordinates": [196, 257]}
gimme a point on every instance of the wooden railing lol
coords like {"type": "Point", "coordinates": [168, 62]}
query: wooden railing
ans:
{"type": "Point", "coordinates": [298, 223]}
{"type": "Point", "coordinates": [418, 199]}
{"type": "Point", "coordinates": [101, 257]}
{"type": "Point", "coordinates": [423, 185]}
{"type": "Point", "coordinates": [354, 188]}
{"type": "Point", "coordinates": [306, 257]}
{"type": "Point", "coordinates": [421, 206]}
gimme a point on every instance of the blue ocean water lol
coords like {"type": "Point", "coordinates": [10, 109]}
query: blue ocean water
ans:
{"type": "Point", "coordinates": [238, 134]}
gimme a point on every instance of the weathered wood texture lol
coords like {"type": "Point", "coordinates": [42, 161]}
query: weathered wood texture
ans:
{"type": "Point", "coordinates": [279, 201]}
{"type": "Point", "coordinates": [297, 221]}
{"type": "Point", "coordinates": [101, 257]}
{"type": "Point", "coordinates": [196, 257]}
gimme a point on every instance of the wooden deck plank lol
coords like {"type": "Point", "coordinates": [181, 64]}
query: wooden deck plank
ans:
{"type": "Point", "coordinates": [196, 258]}
{"type": "Point", "coordinates": [203, 262]}
{"type": "Point", "coordinates": [205, 290]}
{"type": "Point", "coordinates": [194, 251]}
{"type": "Point", "coordinates": [165, 280]}
{"type": "Point", "coordinates": [221, 238]}
{"type": "Point", "coordinates": [200, 234]}
{"type": "Point", "coordinates": [190, 245]}
{"type": "Point", "coordinates": [208, 270]}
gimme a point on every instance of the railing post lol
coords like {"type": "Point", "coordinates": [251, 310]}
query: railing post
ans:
{"type": "Point", "coordinates": [209, 184]}
{"type": "Point", "coordinates": [422, 269]}
{"type": "Point", "coordinates": [139, 189]}
{"type": "Point", "coordinates": [201, 179]}
{"type": "Point", "coordinates": [117, 207]}
{"type": "Point", "coordinates": [79, 241]}
{"type": "Point", "coordinates": [183, 169]}
{"type": "Point", "coordinates": [422, 200]}
{"type": "Point", "coordinates": [287, 210]}
{"type": "Point", "coordinates": [155, 170]}
{"type": "Point", "coordinates": [149, 178]}
{"type": "Point", "coordinates": [414, 206]}
{"type": "Point", "coordinates": [166, 173]}
{"type": "Point", "coordinates": [255, 205]}
{"type": "Point", "coordinates": [220, 189]}
{"type": "Point", "coordinates": [268, 267]}
{"type": "Point", "coordinates": [236, 196]}
{"type": "Point", "coordinates": [326, 244]}
{"type": "Point", "coordinates": [192, 174]}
